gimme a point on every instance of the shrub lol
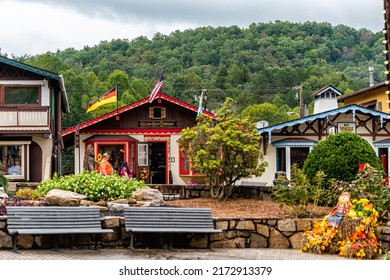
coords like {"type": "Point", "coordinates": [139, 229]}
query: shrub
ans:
{"type": "Point", "coordinates": [368, 184]}
{"type": "Point", "coordinates": [339, 157]}
{"type": "Point", "coordinates": [27, 194]}
{"type": "Point", "coordinates": [298, 192]}
{"type": "Point", "coordinates": [3, 180]}
{"type": "Point", "coordinates": [95, 186]}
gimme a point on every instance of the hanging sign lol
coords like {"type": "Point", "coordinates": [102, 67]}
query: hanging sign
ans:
{"type": "Point", "coordinates": [346, 127]}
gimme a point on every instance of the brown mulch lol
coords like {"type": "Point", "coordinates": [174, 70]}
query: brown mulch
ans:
{"type": "Point", "coordinates": [242, 208]}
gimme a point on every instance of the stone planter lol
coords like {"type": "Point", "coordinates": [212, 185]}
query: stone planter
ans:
{"type": "Point", "coordinates": [198, 179]}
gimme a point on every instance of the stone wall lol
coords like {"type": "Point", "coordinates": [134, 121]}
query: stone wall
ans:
{"type": "Point", "coordinates": [199, 190]}
{"type": "Point", "coordinates": [237, 233]}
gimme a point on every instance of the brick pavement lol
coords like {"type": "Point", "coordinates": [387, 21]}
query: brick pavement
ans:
{"type": "Point", "coordinates": [157, 254]}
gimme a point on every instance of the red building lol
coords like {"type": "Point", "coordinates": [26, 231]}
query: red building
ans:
{"type": "Point", "coordinates": [143, 134]}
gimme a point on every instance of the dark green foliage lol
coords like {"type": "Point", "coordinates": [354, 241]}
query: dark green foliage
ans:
{"type": "Point", "coordinates": [3, 180]}
{"type": "Point", "coordinates": [339, 157]}
{"type": "Point", "coordinates": [251, 65]}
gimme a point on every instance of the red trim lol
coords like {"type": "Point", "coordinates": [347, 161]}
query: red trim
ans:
{"type": "Point", "coordinates": [132, 106]}
{"type": "Point", "coordinates": [163, 131]}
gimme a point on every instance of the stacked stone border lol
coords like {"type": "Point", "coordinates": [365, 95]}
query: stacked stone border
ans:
{"type": "Point", "coordinates": [237, 233]}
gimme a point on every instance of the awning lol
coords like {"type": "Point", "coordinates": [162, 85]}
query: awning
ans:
{"type": "Point", "coordinates": [301, 142]}
{"type": "Point", "coordinates": [382, 143]}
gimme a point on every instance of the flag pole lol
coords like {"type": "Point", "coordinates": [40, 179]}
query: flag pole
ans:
{"type": "Point", "coordinates": [116, 92]}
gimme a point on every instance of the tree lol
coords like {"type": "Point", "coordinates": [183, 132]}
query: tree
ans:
{"type": "Point", "coordinates": [265, 111]}
{"type": "Point", "coordinates": [225, 150]}
{"type": "Point", "coordinates": [339, 157]}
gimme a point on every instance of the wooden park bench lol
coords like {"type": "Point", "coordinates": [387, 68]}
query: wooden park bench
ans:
{"type": "Point", "coordinates": [170, 220]}
{"type": "Point", "coordinates": [53, 220]}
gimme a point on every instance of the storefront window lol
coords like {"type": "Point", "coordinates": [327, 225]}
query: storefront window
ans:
{"type": "Point", "coordinates": [116, 152]}
{"type": "Point", "coordinates": [11, 159]}
{"type": "Point", "coordinates": [184, 164]}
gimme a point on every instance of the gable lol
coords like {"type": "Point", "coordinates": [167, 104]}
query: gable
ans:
{"type": "Point", "coordinates": [138, 116]}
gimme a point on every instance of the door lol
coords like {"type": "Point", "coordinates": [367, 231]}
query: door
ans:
{"type": "Point", "coordinates": [158, 162]}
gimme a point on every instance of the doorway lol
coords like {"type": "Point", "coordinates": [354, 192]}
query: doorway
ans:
{"type": "Point", "coordinates": [158, 162]}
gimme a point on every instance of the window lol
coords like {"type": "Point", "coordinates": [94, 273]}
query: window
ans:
{"type": "Point", "coordinates": [184, 163]}
{"type": "Point", "coordinates": [157, 113]}
{"type": "Point", "coordinates": [17, 95]}
{"type": "Point", "coordinates": [116, 152]}
{"type": "Point", "coordinates": [280, 159]}
{"type": "Point", "coordinates": [383, 156]}
{"type": "Point", "coordinates": [13, 159]}
{"type": "Point", "coordinates": [299, 155]}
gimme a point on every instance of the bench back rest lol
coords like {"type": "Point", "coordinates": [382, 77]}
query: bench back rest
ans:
{"type": "Point", "coordinates": [49, 217]}
{"type": "Point", "coordinates": [168, 217]}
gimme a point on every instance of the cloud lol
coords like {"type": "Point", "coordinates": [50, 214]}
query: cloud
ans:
{"type": "Point", "coordinates": [360, 13]}
{"type": "Point", "coordinates": [36, 26]}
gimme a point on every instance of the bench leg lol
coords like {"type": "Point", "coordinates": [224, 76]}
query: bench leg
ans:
{"type": "Point", "coordinates": [132, 241]}
{"type": "Point", "coordinates": [208, 241]}
{"type": "Point", "coordinates": [171, 242]}
{"type": "Point", "coordinates": [14, 247]}
{"type": "Point", "coordinates": [56, 243]}
{"type": "Point", "coordinates": [96, 238]}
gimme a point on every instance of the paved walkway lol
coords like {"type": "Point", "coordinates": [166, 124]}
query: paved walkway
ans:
{"type": "Point", "coordinates": [157, 254]}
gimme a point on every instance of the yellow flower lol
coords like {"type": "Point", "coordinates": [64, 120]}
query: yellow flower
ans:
{"type": "Point", "coordinates": [360, 213]}
{"type": "Point", "coordinates": [352, 214]}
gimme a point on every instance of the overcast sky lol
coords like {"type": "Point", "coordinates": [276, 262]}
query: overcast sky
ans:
{"type": "Point", "coordinates": [38, 26]}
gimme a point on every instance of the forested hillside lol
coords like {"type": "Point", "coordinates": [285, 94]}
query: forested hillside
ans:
{"type": "Point", "coordinates": [255, 65]}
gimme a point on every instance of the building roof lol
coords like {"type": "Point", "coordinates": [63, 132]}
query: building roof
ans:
{"type": "Point", "coordinates": [29, 68]}
{"type": "Point", "coordinates": [326, 88]}
{"type": "Point", "coordinates": [44, 73]}
{"type": "Point", "coordinates": [361, 91]}
{"type": "Point", "coordinates": [351, 108]}
{"type": "Point", "coordinates": [132, 106]}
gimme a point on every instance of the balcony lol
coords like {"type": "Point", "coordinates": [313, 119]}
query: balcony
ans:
{"type": "Point", "coordinates": [24, 118]}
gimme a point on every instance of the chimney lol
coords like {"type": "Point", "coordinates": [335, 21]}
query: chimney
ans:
{"type": "Point", "coordinates": [371, 71]}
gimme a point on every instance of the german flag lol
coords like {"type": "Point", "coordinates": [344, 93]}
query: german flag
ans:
{"type": "Point", "coordinates": [109, 97]}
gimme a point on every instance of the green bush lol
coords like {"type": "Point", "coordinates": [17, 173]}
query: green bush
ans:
{"type": "Point", "coordinates": [339, 157]}
{"type": "Point", "coordinates": [3, 180]}
{"type": "Point", "coordinates": [298, 192]}
{"type": "Point", "coordinates": [95, 186]}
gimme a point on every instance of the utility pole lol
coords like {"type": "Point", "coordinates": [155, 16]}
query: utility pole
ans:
{"type": "Point", "coordinates": [299, 96]}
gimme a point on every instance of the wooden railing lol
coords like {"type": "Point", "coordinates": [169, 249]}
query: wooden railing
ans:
{"type": "Point", "coordinates": [24, 116]}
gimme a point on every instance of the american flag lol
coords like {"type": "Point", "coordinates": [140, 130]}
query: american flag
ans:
{"type": "Point", "coordinates": [157, 88]}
